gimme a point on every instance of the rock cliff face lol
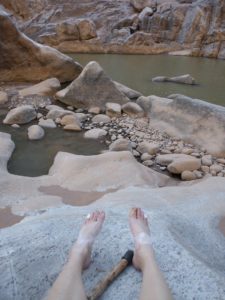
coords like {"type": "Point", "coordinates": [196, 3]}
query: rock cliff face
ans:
{"type": "Point", "coordinates": [125, 26]}
{"type": "Point", "coordinates": [22, 59]}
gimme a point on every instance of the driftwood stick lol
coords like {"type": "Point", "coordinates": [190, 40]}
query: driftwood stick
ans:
{"type": "Point", "coordinates": [111, 276]}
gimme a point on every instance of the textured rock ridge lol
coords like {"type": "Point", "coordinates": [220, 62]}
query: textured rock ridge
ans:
{"type": "Point", "coordinates": [131, 27]}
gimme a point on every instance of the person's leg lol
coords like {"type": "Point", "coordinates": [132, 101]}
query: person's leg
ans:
{"type": "Point", "coordinates": [69, 283]}
{"type": "Point", "coordinates": [154, 286]}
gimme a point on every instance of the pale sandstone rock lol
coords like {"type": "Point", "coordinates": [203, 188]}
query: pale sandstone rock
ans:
{"type": "Point", "coordinates": [121, 145]}
{"type": "Point", "coordinates": [146, 156]}
{"type": "Point", "coordinates": [20, 115]}
{"type": "Point", "coordinates": [71, 122]}
{"type": "Point", "coordinates": [188, 175]}
{"type": "Point", "coordinates": [221, 161]}
{"type": "Point", "coordinates": [95, 133]}
{"type": "Point", "coordinates": [185, 79]}
{"type": "Point", "coordinates": [214, 169]}
{"type": "Point", "coordinates": [207, 160]}
{"type": "Point", "coordinates": [58, 113]}
{"type": "Point", "coordinates": [72, 127]}
{"type": "Point", "coordinates": [205, 169]}
{"type": "Point", "coordinates": [3, 97]}
{"type": "Point", "coordinates": [92, 88]}
{"type": "Point", "coordinates": [47, 87]}
{"type": "Point", "coordinates": [25, 60]}
{"type": "Point", "coordinates": [113, 109]}
{"type": "Point", "coordinates": [94, 110]}
{"type": "Point", "coordinates": [133, 109]}
{"type": "Point", "coordinates": [146, 147]}
{"type": "Point", "coordinates": [195, 121]}
{"type": "Point", "coordinates": [35, 132]}
{"type": "Point", "coordinates": [184, 164]}
{"type": "Point", "coordinates": [101, 119]}
{"type": "Point", "coordinates": [48, 123]}
{"type": "Point", "coordinates": [53, 107]}
{"type": "Point", "coordinates": [15, 126]}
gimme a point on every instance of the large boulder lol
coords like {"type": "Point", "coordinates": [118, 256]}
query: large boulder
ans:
{"type": "Point", "coordinates": [128, 92]}
{"type": "Point", "coordinates": [47, 87]}
{"type": "Point", "coordinates": [192, 120]}
{"type": "Point", "coordinates": [24, 60]}
{"type": "Point", "coordinates": [20, 115]}
{"type": "Point", "coordinates": [92, 88]}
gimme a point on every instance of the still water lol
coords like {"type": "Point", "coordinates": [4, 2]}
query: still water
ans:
{"type": "Point", "coordinates": [34, 158]}
{"type": "Point", "coordinates": [136, 71]}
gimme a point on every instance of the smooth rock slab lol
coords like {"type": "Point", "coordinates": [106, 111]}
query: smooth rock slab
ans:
{"type": "Point", "coordinates": [47, 87]}
{"type": "Point", "coordinates": [20, 115]}
{"type": "Point", "coordinates": [95, 133]}
{"type": "Point", "coordinates": [35, 132]}
{"type": "Point", "coordinates": [185, 79]}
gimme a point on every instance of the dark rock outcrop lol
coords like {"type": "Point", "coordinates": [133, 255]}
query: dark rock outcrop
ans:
{"type": "Point", "coordinates": [22, 59]}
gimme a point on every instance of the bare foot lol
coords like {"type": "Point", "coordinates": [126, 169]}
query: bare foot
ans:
{"type": "Point", "coordinates": [90, 229]}
{"type": "Point", "coordinates": [142, 239]}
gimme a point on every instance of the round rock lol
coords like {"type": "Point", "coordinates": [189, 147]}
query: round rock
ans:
{"type": "Point", "coordinates": [35, 132]}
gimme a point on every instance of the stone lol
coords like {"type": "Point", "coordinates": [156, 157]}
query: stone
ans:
{"type": "Point", "coordinates": [25, 60]}
{"type": "Point", "coordinates": [58, 113]}
{"type": "Point", "coordinates": [185, 79]}
{"type": "Point", "coordinates": [101, 119]}
{"type": "Point", "coordinates": [198, 174]}
{"type": "Point", "coordinates": [146, 156]}
{"type": "Point", "coordinates": [3, 98]}
{"type": "Point", "coordinates": [128, 92]}
{"type": "Point", "coordinates": [70, 108]}
{"type": "Point", "coordinates": [72, 127]}
{"type": "Point", "coordinates": [71, 122]}
{"type": "Point", "coordinates": [207, 160]}
{"type": "Point", "coordinates": [133, 109]}
{"type": "Point", "coordinates": [94, 110]}
{"type": "Point", "coordinates": [195, 121]}
{"type": "Point", "coordinates": [221, 161]}
{"type": "Point", "coordinates": [47, 87]}
{"type": "Point", "coordinates": [121, 145]}
{"type": "Point", "coordinates": [48, 123]}
{"type": "Point", "coordinates": [15, 126]}
{"type": "Point", "coordinates": [92, 88]}
{"type": "Point", "coordinates": [205, 169]}
{"type": "Point", "coordinates": [35, 132]}
{"type": "Point", "coordinates": [148, 163]}
{"type": "Point", "coordinates": [166, 159]}
{"type": "Point", "coordinates": [150, 148]}
{"type": "Point", "coordinates": [188, 175]}
{"type": "Point", "coordinates": [95, 133]}
{"type": "Point", "coordinates": [67, 30]}
{"type": "Point", "coordinates": [144, 103]}
{"type": "Point", "coordinates": [20, 115]}
{"type": "Point", "coordinates": [39, 115]}
{"type": "Point", "coordinates": [184, 164]}
{"type": "Point", "coordinates": [54, 107]}
{"type": "Point", "coordinates": [215, 169]}
{"type": "Point", "coordinates": [81, 117]}
{"type": "Point", "coordinates": [187, 150]}
{"type": "Point", "coordinates": [113, 109]}
{"type": "Point", "coordinates": [86, 29]}
{"type": "Point", "coordinates": [139, 5]}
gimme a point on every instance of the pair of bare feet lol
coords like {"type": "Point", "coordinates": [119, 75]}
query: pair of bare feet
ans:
{"type": "Point", "coordinates": [92, 226]}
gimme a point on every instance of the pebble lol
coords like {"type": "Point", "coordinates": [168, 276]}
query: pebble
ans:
{"type": "Point", "coordinates": [148, 163]}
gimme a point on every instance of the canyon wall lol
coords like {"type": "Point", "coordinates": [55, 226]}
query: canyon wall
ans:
{"type": "Point", "coordinates": [127, 26]}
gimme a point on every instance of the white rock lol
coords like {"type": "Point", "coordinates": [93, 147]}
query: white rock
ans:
{"type": "Point", "coordinates": [20, 115]}
{"type": "Point", "coordinates": [215, 169]}
{"type": "Point", "coordinates": [120, 145]}
{"type": "Point", "coordinates": [188, 175]}
{"type": "Point", "coordinates": [146, 147]}
{"type": "Point", "coordinates": [101, 119]}
{"type": "Point", "coordinates": [94, 110]}
{"type": "Point", "coordinates": [184, 164]}
{"type": "Point", "coordinates": [95, 133]}
{"type": "Point", "coordinates": [146, 156]}
{"type": "Point", "coordinates": [81, 116]}
{"type": "Point", "coordinates": [148, 163]}
{"type": "Point", "coordinates": [49, 123]}
{"type": "Point", "coordinates": [113, 109]}
{"type": "Point", "coordinates": [15, 126]}
{"type": "Point", "coordinates": [35, 132]}
{"type": "Point", "coordinates": [52, 106]}
{"type": "Point", "coordinates": [133, 109]}
{"type": "Point", "coordinates": [58, 113]}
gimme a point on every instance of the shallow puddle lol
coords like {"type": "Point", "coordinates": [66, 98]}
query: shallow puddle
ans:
{"type": "Point", "coordinates": [75, 198]}
{"type": "Point", "coordinates": [7, 218]}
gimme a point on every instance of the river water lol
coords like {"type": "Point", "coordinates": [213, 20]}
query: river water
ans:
{"type": "Point", "coordinates": [136, 71]}
{"type": "Point", "coordinates": [34, 158]}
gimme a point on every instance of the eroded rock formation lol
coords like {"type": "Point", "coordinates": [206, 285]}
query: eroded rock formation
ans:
{"type": "Point", "coordinates": [22, 59]}
{"type": "Point", "coordinates": [131, 26]}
